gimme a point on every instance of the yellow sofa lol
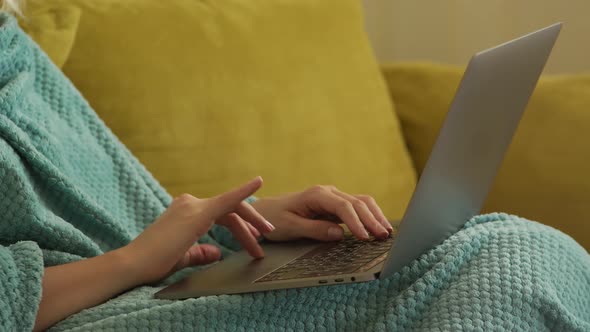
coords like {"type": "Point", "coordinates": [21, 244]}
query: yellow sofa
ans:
{"type": "Point", "coordinates": [210, 93]}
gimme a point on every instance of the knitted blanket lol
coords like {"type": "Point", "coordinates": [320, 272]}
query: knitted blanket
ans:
{"type": "Point", "coordinates": [70, 190]}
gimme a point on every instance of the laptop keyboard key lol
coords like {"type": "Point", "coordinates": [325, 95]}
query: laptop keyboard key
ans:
{"type": "Point", "coordinates": [346, 256]}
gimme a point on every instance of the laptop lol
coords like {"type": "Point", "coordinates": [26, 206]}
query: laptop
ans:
{"type": "Point", "coordinates": [471, 145]}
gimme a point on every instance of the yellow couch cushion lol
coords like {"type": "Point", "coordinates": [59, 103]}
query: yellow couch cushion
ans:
{"type": "Point", "coordinates": [545, 174]}
{"type": "Point", "coordinates": [210, 93]}
{"type": "Point", "coordinates": [54, 29]}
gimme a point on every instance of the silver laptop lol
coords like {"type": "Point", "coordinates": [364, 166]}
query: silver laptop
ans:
{"type": "Point", "coordinates": [479, 126]}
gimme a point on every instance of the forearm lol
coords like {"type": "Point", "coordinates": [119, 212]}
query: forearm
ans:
{"type": "Point", "coordinates": [69, 288]}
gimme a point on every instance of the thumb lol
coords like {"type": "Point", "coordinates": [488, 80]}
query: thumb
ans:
{"type": "Point", "coordinates": [316, 229]}
{"type": "Point", "coordinates": [228, 201]}
{"type": "Point", "coordinates": [199, 254]}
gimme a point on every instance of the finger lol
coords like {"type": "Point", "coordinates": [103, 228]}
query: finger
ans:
{"type": "Point", "coordinates": [228, 201]}
{"type": "Point", "coordinates": [321, 230]}
{"type": "Point", "coordinates": [253, 230]}
{"type": "Point", "coordinates": [366, 216]}
{"type": "Point", "coordinates": [225, 220]}
{"type": "Point", "coordinates": [249, 214]}
{"type": "Point", "coordinates": [200, 254]}
{"type": "Point", "coordinates": [238, 227]}
{"type": "Point", "coordinates": [376, 210]}
{"type": "Point", "coordinates": [325, 200]}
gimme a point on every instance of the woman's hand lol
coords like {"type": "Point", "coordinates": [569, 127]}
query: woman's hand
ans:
{"type": "Point", "coordinates": [165, 246]}
{"type": "Point", "coordinates": [168, 244]}
{"type": "Point", "coordinates": [314, 213]}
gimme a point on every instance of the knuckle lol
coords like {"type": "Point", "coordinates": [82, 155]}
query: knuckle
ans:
{"type": "Point", "coordinates": [358, 203]}
{"type": "Point", "coordinates": [366, 198]}
{"type": "Point", "coordinates": [322, 188]}
{"type": "Point", "coordinates": [345, 205]}
{"type": "Point", "coordinates": [316, 189]}
{"type": "Point", "coordinates": [187, 205]}
{"type": "Point", "coordinates": [184, 197]}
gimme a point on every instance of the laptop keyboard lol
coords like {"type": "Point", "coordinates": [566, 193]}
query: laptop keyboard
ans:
{"type": "Point", "coordinates": [346, 256]}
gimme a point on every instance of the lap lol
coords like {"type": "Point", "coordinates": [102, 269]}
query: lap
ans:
{"type": "Point", "coordinates": [499, 272]}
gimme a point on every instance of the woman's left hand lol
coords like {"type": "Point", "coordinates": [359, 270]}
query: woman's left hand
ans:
{"type": "Point", "coordinates": [316, 212]}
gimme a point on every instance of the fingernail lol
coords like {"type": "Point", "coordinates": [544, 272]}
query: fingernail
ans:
{"type": "Point", "coordinates": [365, 235]}
{"type": "Point", "coordinates": [385, 232]}
{"type": "Point", "coordinates": [270, 226]}
{"type": "Point", "coordinates": [335, 233]}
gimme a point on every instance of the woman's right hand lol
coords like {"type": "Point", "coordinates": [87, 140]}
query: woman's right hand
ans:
{"type": "Point", "coordinates": [169, 244]}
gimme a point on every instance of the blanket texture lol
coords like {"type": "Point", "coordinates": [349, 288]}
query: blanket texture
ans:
{"type": "Point", "coordinates": [70, 190]}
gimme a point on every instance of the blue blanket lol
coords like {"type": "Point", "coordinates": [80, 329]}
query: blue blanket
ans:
{"type": "Point", "coordinates": [70, 190]}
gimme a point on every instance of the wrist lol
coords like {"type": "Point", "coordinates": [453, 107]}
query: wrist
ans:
{"type": "Point", "coordinates": [127, 266]}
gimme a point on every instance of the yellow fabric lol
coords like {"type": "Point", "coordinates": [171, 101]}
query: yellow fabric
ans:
{"type": "Point", "coordinates": [211, 93]}
{"type": "Point", "coordinates": [54, 29]}
{"type": "Point", "coordinates": [545, 174]}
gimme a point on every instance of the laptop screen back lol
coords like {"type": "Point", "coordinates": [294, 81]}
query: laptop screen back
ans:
{"type": "Point", "coordinates": [471, 145]}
